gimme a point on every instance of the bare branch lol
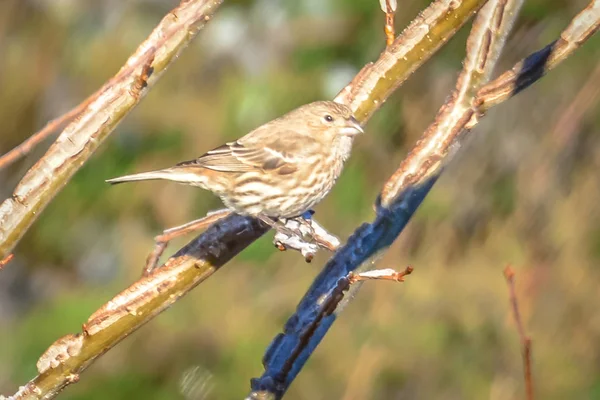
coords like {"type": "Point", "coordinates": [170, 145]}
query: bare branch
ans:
{"type": "Point", "coordinates": [24, 148]}
{"type": "Point", "coordinates": [415, 45]}
{"type": "Point", "coordinates": [70, 355]}
{"type": "Point", "coordinates": [509, 274]}
{"type": "Point", "coordinates": [6, 260]}
{"type": "Point", "coordinates": [532, 68]}
{"type": "Point", "coordinates": [431, 152]}
{"type": "Point", "coordinates": [109, 106]}
{"type": "Point", "coordinates": [326, 310]}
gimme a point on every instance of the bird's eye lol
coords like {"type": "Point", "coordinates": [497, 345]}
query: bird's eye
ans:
{"type": "Point", "coordinates": [328, 118]}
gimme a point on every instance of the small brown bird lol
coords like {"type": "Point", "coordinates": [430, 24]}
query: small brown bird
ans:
{"type": "Point", "coordinates": [279, 170]}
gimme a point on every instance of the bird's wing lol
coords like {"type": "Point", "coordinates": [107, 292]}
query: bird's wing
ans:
{"type": "Point", "coordinates": [280, 153]}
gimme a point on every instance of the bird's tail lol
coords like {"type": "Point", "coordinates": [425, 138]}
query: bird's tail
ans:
{"type": "Point", "coordinates": [181, 175]}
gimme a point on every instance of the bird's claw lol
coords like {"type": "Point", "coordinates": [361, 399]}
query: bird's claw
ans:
{"type": "Point", "coordinates": [306, 236]}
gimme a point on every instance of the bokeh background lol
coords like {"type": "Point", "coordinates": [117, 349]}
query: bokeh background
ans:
{"type": "Point", "coordinates": [524, 190]}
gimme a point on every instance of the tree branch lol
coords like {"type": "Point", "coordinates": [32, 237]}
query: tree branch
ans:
{"type": "Point", "coordinates": [24, 148]}
{"type": "Point", "coordinates": [70, 355]}
{"type": "Point", "coordinates": [532, 68]}
{"type": "Point", "coordinates": [109, 106]}
{"type": "Point", "coordinates": [509, 274]}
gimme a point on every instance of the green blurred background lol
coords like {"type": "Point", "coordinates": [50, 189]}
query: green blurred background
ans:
{"type": "Point", "coordinates": [524, 191]}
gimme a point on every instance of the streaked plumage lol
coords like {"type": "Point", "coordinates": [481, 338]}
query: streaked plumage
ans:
{"type": "Point", "coordinates": [280, 170]}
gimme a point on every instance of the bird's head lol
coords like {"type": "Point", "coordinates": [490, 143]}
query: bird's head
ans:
{"type": "Point", "coordinates": [330, 119]}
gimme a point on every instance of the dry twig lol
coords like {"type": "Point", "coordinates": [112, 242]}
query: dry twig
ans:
{"type": "Point", "coordinates": [387, 274]}
{"type": "Point", "coordinates": [532, 68]}
{"type": "Point", "coordinates": [509, 274]}
{"type": "Point", "coordinates": [25, 148]}
{"type": "Point", "coordinates": [6, 260]}
{"type": "Point", "coordinates": [306, 236]}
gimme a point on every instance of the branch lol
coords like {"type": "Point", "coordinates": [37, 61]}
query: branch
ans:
{"type": "Point", "coordinates": [415, 45]}
{"type": "Point", "coordinates": [532, 68]}
{"type": "Point", "coordinates": [108, 107]}
{"type": "Point", "coordinates": [70, 355]}
{"type": "Point", "coordinates": [6, 260]}
{"type": "Point", "coordinates": [509, 274]}
{"type": "Point", "coordinates": [24, 148]}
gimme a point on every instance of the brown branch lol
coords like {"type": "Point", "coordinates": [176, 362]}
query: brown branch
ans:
{"type": "Point", "coordinates": [24, 148]}
{"type": "Point", "coordinates": [416, 44]}
{"type": "Point", "coordinates": [70, 355]}
{"type": "Point", "coordinates": [509, 274]}
{"type": "Point", "coordinates": [99, 118]}
{"type": "Point", "coordinates": [532, 68]}
{"type": "Point", "coordinates": [6, 260]}
{"type": "Point", "coordinates": [432, 151]}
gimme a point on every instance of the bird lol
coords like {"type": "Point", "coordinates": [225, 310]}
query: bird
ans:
{"type": "Point", "coordinates": [279, 170]}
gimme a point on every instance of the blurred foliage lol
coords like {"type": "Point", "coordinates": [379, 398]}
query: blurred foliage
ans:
{"type": "Point", "coordinates": [524, 191]}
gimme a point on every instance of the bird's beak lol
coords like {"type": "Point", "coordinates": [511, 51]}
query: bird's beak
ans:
{"type": "Point", "coordinates": [352, 128]}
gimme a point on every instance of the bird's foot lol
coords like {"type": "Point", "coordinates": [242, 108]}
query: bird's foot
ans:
{"type": "Point", "coordinates": [305, 235]}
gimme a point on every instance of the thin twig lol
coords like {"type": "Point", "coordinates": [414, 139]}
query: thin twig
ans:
{"type": "Point", "coordinates": [28, 144]}
{"type": "Point", "coordinates": [532, 68]}
{"type": "Point", "coordinates": [509, 274]}
{"type": "Point", "coordinates": [6, 260]}
{"type": "Point", "coordinates": [380, 274]}
{"type": "Point", "coordinates": [305, 235]}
